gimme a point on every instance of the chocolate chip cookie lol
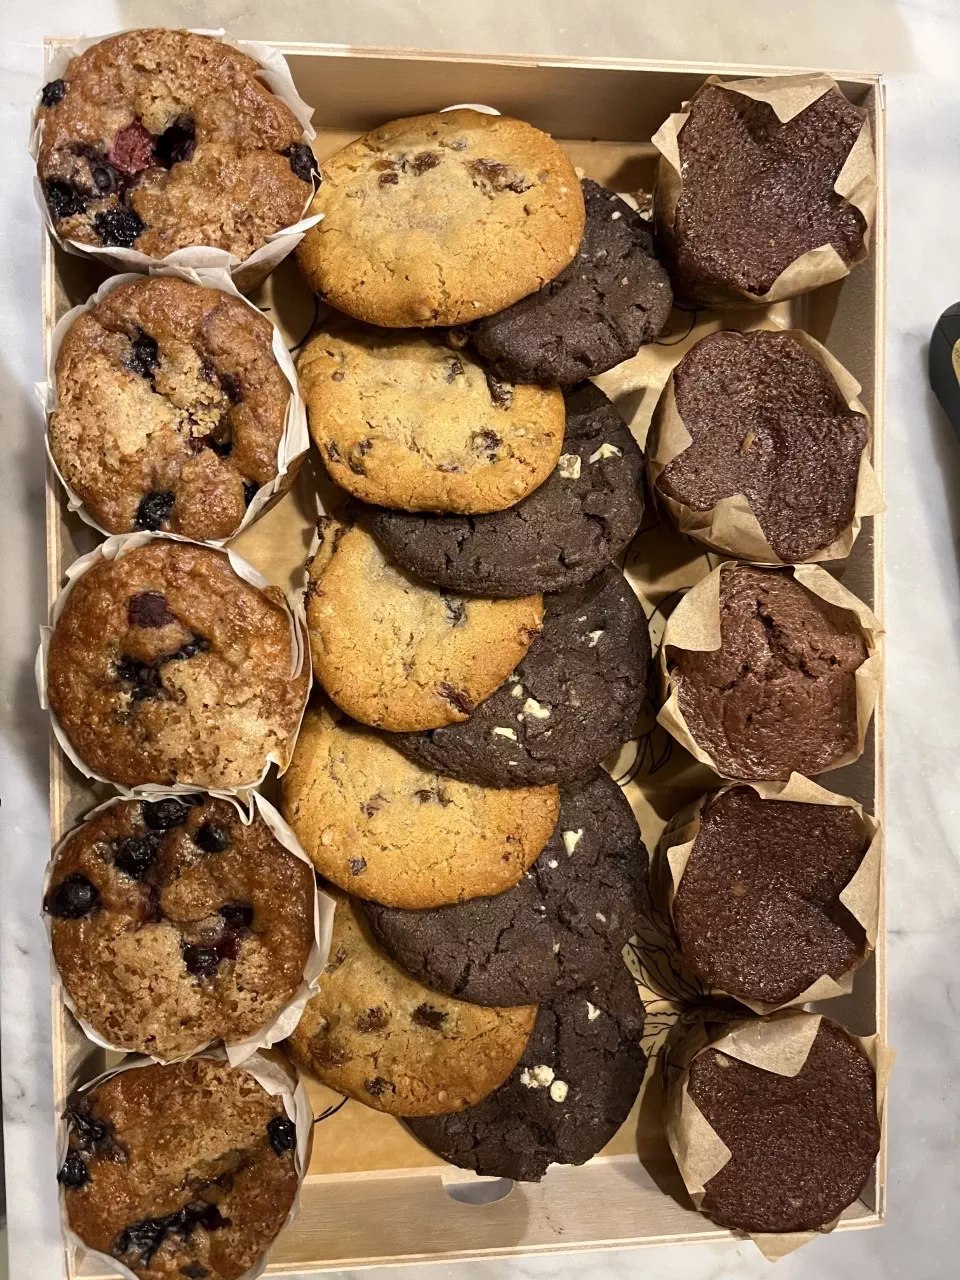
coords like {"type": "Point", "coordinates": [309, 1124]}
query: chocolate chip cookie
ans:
{"type": "Point", "coordinates": [767, 420]}
{"type": "Point", "coordinates": [561, 927]}
{"type": "Point", "coordinates": [565, 532]}
{"type": "Point", "coordinates": [574, 698]}
{"type": "Point", "coordinates": [403, 420]}
{"type": "Point", "coordinates": [158, 140]}
{"type": "Point", "coordinates": [801, 1147]}
{"type": "Point", "coordinates": [184, 1170]}
{"type": "Point", "coordinates": [440, 219]}
{"type": "Point", "coordinates": [601, 309]}
{"type": "Point", "coordinates": [167, 667]}
{"type": "Point", "coordinates": [573, 1088]}
{"type": "Point", "coordinates": [384, 828]}
{"type": "Point", "coordinates": [174, 924]}
{"type": "Point", "coordinates": [395, 652]}
{"type": "Point", "coordinates": [378, 1035]}
{"type": "Point", "coordinates": [170, 409]}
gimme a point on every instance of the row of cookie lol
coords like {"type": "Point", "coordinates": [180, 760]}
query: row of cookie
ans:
{"type": "Point", "coordinates": [158, 141]}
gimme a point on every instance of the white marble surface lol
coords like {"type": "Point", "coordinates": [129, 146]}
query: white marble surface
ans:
{"type": "Point", "coordinates": [917, 43]}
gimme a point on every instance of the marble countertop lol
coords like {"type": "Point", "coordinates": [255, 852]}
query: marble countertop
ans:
{"type": "Point", "coordinates": [916, 43]}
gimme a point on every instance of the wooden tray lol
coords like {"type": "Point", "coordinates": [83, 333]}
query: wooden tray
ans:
{"type": "Point", "coordinates": [373, 1195]}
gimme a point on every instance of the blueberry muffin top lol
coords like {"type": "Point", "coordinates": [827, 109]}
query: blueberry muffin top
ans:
{"type": "Point", "coordinates": [170, 408]}
{"type": "Point", "coordinates": [158, 140]}
{"type": "Point", "coordinates": [173, 923]}
{"type": "Point", "coordinates": [165, 666]}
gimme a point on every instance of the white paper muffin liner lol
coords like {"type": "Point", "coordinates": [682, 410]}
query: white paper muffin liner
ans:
{"type": "Point", "coordinates": [294, 442]}
{"type": "Point", "coordinates": [112, 549]}
{"type": "Point", "coordinates": [269, 1073]}
{"type": "Point", "coordinates": [247, 273]}
{"type": "Point", "coordinates": [286, 1018]}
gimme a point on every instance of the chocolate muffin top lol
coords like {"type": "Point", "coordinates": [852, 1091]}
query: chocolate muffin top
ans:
{"type": "Point", "coordinates": [170, 408]}
{"type": "Point", "coordinates": [174, 924]}
{"type": "Point", "coordinates": [767, 420]}
{"type": "Point", "coordinates": [166, 667]}
{"type": "Point", "coordinates": [801, 1146]}
{"type": "Point", "coordinates": [184, 1170]}
{"type": "Point", "coordinates": [779, 695]}
{"type": "Point", "coordinates": [758, 193]}
{"type": "Point", "coordinates": [757, 910]}
{"type": "Point", "coordinates": [158, 140]}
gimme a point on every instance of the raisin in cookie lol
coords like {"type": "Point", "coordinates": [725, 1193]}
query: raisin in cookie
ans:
{"type": "Point", "coordinates": [573, 1088]}
{"type": "Point", "coordinates": [170, 409]}
{"type": "Point", "coordinates": [565, 532]}
{"type": "Point", "coordinates": [383, 828]}
{"type": "Point", "coordinates": [167, 667]}
{"type": "Point", "coordinates": [183, 1170]}
{"type": "Point", "coordinates": [158, 140]}
{"type": "Point", "coordinates": [440, 219]}
{"type": "Point", "coordinates": [574, 698]}
{"type": "Point", "coordinates": [395, 652]}
{"type": "Point", "coordinates": [601, 309]}
{"type": "Point", "coordinates": [377, 1035]}
{"type": "Point", "coordinates": [562, 926]}
{"type": "Point", "coordinates": [402, 420]}
{"type": "Point", "coordinates": [174, 924]}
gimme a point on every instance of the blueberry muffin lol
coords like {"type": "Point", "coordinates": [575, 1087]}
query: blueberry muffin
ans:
{"type": "Point", "coordinates": [170, 409]}
{"type": "Point", "coordinates": [184, 1170]}
{"type": "Point", "coordinates": [173, 924]}
{"type": "Point", "coordinates": [166, 667]}
{"type": "Point", "coordinates": [157, 140]}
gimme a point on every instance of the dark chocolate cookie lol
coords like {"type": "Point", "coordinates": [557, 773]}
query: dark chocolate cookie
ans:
{"type": "Point", "coordinates": [560, 928]}
{"type": "Point", "coordinates": [573, 1088]}
{"type": "Point", "coordinates": [574, 698]}
{"type": "Point", "coordinates": [578, 520]}
{"type": "Point", "coordinates": [601, 309]}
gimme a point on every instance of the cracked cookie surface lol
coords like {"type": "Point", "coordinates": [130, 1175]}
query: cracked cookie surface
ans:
{"type": "Point", "coordinates": [199, 927]}
{"type": "Point", "coordinates": [381, 827]}
{"type": "Point", "coordinates": [562, 926]}
{"type": "Point", "coordinates": [441, 219]}
{"type": "Point", "coordinates": [378, 1035]}
{"type": "Point", "coordinates": [581, 517]}
{"type": "Point", "coordinates": [157, 140]}
{"type": "Point", "coordinates": [180, 1170]}
{"type": "Point", "coordinates": [600, 310]}
{"type": "Point", "coordinates": [779, 695]}
{"type": "Point", "coordinates": [165, 666]}
{"type": "Point", "coordinates": [402, 420]}
{"type": "Point", "coordinates": [170, 409]}
{"type": "Point", "coordinates": [573, 1088]}
{"type": "Point", "coordinates": [575, 696]}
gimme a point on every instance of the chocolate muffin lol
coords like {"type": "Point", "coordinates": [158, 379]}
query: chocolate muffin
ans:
{"type": "Point", "coordinates": [167, 667]}
{"type": "Point", "coordinates": [170, 409]}
{"type": "Point", "coordinates": [174, 924]}
{"type": "Point", "coordinates": [757, 193]}
{"type": "Point", "coordinates": [801, 1147]}
{"type": "Point", "coordinates": [158, 140]}
{"type": "Point", "coordinates": [757, 911]}
{"type": "Point", "coordinates": [184, 1170]}
{"type": "Point", "coordinates": [779, 695]}
{"type": "Point", "coordinates": [767, 421]}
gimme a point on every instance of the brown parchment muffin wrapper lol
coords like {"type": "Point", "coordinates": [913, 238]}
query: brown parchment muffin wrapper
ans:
{"type": "Point", "coordinates": [271, 1070]}
{"type": "Point", "coordinates": [247, 274]}
{"type": "Point", "coordinates": [286, 1018]}
{"type": "Point", "coordinates": [856, 183]}
{"type": "Point", "coordinates": [779, 1043]}
{"type": "Point", "coordinates": [860, 896]}
{"type": "Point", "coordinates": [731, 527]}
{"type": "Point", "coordinates": [294, 442]}
{"type": "Point", "coordinates": [695, 625]}
{"type": "Point", "coordinates": [118, 546]}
